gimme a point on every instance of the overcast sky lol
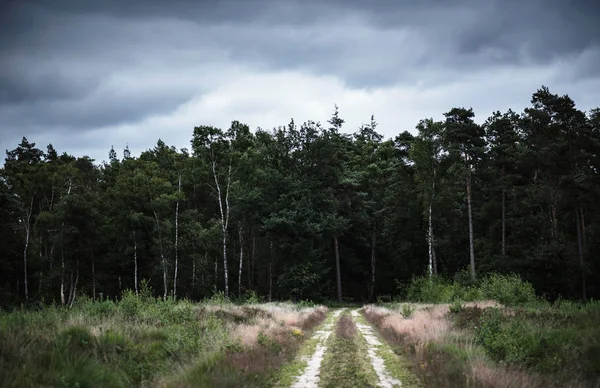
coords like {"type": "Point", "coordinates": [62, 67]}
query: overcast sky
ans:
{"type": "Point", "coordinates": [85, 75]}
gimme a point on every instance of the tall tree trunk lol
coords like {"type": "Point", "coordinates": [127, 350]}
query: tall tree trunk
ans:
{"type": "Point", "coordinates": [176, 241]}
{"type": "Point", "coordinates": [580, 253]}
{"type": "Point", "coordinates": [251, 260]}
{"type": "Point", "coordinates": [74, 290]}
{"type": "Point", "coordinates": [224, 210]}
{"type": "Point", "coordinates": [163, 260]}
{"type": "Point", "coordinates": [93, 274]}
{"type": "Point", "coordinates": [373, 251]}
{"type": "Point", "coordinates": [70, 295]}
{"type": "Point", "coordinates": [338, 274]}
{"type": "Point", "coordinates": [216, 287]}
{"type": "Point", "coordinates": [435, 263]}
{"type": "Point", "coordinates": [471, 243]}
{"type": "Point", "coordinates": [240, 232]}
{"type": "Point", "coordinates": [27, 233]}
{"type": "Point", "coordinates": [62, 277]}
{"type": "Point", "coordinates": [553, 216]}
{"type": "Point", "coordinates": [270, 270]}
{"type": "Point", "coordinates": [503, 222]}
{"type": "Point", "coordinates": [193, 275]}
{"type": "Point", "coordinates": [430, 240]}
{"type": "Point", "coordinates": [62, 253]}
{"type": "Point", "coordinates": [253, 272]}
{"type": "Point", "coordinates": [50, 258]}
{"type": "Point", "coordinates": [226, 277]}
{"type": "Point", "coordinates": [41, 261]}
{"type": "Point", "coordinates": [135, 264]}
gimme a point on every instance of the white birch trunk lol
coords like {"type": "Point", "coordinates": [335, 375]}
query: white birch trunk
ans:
{"type": "Point", "coordinates": [240, 231]}
{"type": "Point", "coordinates": [27, 234]}
{"type": "Point", "coordinates": [471, 244]}
{"type": "Point", "coordinates": [430, 241]}
{"type": "Point", "coordinates": [176, 241]}
{"type": "Point", "coordinates": [224, 211]}
{"type": "Point", "coordinates": [62, 254]}
{"type": "Point", "coordinates": [62, 278]}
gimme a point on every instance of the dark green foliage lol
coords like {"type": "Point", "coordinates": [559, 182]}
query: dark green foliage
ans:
{"type": "Point", "coordinates": [561, 338]}
{"type": "Point", "coordinates": [439, 290]}
{"type": "Point", "coordinates": [314, 213]}
{"type": "Point", "coordinates": [509, 290]}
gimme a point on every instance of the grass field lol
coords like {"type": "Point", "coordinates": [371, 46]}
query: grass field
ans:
{"type": "Point", "coordinates": [141, 341]}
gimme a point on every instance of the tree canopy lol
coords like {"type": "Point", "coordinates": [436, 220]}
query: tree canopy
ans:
{"type": "Point", "coordinates": [311, 212]}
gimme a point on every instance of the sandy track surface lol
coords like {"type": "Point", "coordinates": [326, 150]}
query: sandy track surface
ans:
{"type": "Point", "coordinates": [311, 375]}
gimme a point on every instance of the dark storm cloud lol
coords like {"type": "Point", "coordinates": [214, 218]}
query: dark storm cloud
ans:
{"type": "Point", "coordinates": [85, 65]}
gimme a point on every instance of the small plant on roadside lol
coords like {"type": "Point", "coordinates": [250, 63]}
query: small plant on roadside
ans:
{"type": "Point", "coordinates": [297, 333]}
{"type": "Point", "coordinates": [305, 303]}
{"type": "Point", "coordinates": [267, 342]}
{"type": "Point", "coordinates": [407, 311]}
{"type": "Point", "coordinates": [456, 306]}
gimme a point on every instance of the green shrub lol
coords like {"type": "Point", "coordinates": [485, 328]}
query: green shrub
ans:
{"type": "Point", "coordinates": [436, 289]}
{"type": "Point", "coordinates": [510, 290]}
{"type": "Point", "coordinates": [76, 338]}
{"type": "Point", "coordinates": [130, 304]}
{"type": "Point", "coordinates": [429, 290]}
{"type": "Point", "coordinates": [507, 340]}
{"type": "Point", "coordinates": [252, 297]}
{"type": "Point", "coordinates": [467, 317]}
{"type": "Point", "coordinates": [407, 311]}
{"type": "Point", "coordinates": [305, 303]}
{"type": "Point", "coordinates": [456, 306]}
{"type": "Point", "coordinates": [218, 299]}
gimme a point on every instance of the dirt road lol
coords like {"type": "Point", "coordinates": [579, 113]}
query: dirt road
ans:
{"type": "Point", "coordinates": [349, 353]}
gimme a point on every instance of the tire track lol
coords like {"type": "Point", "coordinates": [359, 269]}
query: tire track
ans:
{"type": "Point", "coordinates": [311, 376]}
{"type": "Point", "coordinates": [386, 380]}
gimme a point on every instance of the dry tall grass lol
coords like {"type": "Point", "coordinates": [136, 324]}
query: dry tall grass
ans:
{"type": "Point", "coordinates": [429, 324]}
{"type": "Point", "coordinates": [273, 320]}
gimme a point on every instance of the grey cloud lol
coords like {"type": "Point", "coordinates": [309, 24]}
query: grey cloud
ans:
{"type": "Point", "coordinates": [98, 110]}
{"type": "Point", "coordinates": [59, 59]}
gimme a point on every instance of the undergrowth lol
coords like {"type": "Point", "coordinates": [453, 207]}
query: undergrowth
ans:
{"type": "Point", "coordinates": [509, 290]}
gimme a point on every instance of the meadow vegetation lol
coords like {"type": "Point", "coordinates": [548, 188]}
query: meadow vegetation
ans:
{"type": "Point", "coordinates": [143, 341]}
{"type": "Point", "coordinates": [496, 333]}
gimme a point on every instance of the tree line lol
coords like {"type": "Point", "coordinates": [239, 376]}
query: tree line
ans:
{"type": "Point", "coordinates": [311, 212]}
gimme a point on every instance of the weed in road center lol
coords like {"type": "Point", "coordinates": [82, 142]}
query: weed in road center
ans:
{"type": "Point", "coordinates": [345, 363]}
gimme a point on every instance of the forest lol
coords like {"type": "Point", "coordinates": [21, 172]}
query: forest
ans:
{"type": "Point", "coordinates": [310, 212]}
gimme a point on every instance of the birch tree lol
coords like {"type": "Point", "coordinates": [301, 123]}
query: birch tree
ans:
{"type": "Point", "coordinates": [426, 152]}
{"type": "Point", "coordinates": [211, 144]}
